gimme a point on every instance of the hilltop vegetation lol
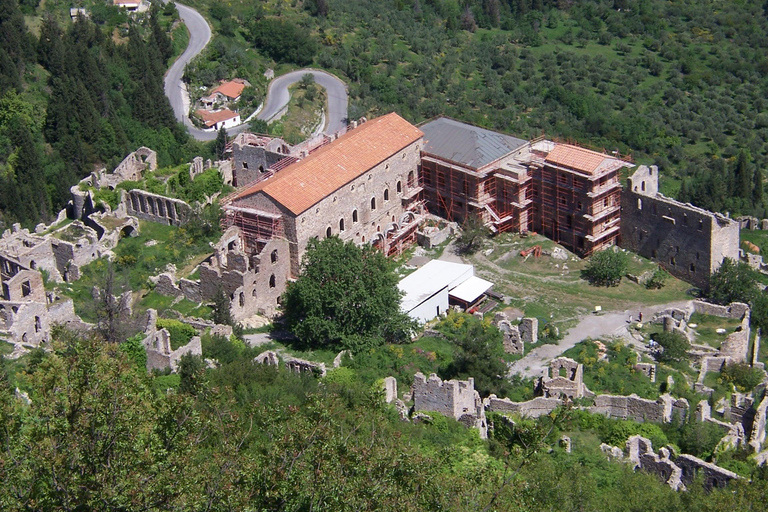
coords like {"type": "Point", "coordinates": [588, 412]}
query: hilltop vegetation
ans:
{"type": "Point", "coordinates": [679, 84]}
{"type": "Point", "coordinates": [76, 95]}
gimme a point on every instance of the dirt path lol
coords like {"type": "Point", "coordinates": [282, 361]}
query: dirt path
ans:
{"type": "Point", "coordinates": [607, 324]}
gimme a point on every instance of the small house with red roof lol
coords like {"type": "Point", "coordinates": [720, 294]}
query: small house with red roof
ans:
{"type": "Point", "coordinates": [217, 119]}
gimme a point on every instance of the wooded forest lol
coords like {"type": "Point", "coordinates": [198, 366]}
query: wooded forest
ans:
{"type": "Point", "coordinates": [83, 94]}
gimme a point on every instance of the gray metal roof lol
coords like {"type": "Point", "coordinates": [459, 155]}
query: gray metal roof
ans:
{"type": "Point", "coordinates": [465, 144]}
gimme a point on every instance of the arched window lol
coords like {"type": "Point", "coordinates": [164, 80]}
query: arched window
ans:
{"type": "Point", "coordinates": [411, 181]}
{"type": "Point", "coordinates": [354, 216]}
{"type": "Point", "coordinates": [242, 299]}
{"type": "Point", "coordinates": [386, 194]}
{"type": "Point", "coordinates": [272, 281]}
{"type": "Point", "coordinates": [341, 224]}
{"type": "Point", "coordinates": [328, 233]}
{"type": "Point", "coordinates": [274, 256]}
{"type": "Point", "coordinates": [373, 203]}
{"type": "Point", "coordinates": [399, 187]}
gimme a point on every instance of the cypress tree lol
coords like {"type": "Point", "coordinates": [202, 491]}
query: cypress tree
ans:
{"type": "Point", "coordinates": [220, 146]}
{"type": "Point", "coordinates": [743, 176]}
{"type": "Point", "coordinates": [757, 189]}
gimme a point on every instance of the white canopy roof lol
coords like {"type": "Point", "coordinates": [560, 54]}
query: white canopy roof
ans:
{"type": "Point", "coordinates": [471, 289]}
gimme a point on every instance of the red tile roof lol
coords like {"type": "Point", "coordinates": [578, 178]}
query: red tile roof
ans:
{"type": "Point", "coordinates": [305, 183]}
{"type": "Point", "coordinates": [231, 90]}
{"type": "Point", "coordinates": [576, 158]}
{"type": "Point", "coordinates": [210, 118]}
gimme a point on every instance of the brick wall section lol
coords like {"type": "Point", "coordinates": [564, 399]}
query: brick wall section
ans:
{"type": "Point", "coordinates": [689, 242]}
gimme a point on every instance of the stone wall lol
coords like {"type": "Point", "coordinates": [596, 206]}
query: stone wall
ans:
{"type": "Point", "coordinates": [296, 365]}
{"type": "Point", "coordinates": [734, 310]}
{"type": "Point", "coordinates": [253, 155]}
{"type": "Point", "coordinates": [565, 378]}
{"type": "Point", "coordinates": [532, 408]}
{"type": "Point", "coordinates": [678, 472]}
{"type": "Point", "coordinates": [455, 398]}
{"type": "Point", "coordinates": [155, 208]}
{"type": "Point", "coordinates": [529, 330]}
{"type": "Point", "coordinates": [633, 407]}
{"type": "Point", "coordinates": [157, 343]}
{"type": "Point", "coordinates": [133, 166]}
{"type": "Point", "coordinates": [689, 242]}
{"type": "Point", "coordinates": [253, 283]}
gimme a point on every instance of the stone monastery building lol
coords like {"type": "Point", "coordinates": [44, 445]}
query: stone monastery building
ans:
{"type": "Point", "coordinates": [376, 183]}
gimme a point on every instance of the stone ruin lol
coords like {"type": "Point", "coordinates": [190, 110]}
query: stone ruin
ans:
{"type": "Point", "coordinates": [677, 472]}
{"type": "Point", "coordinates": [454, 398]}
{"type": "Point", "coordinates": [268, 357]}
{"type": "Point", "coordinates": [647, 369]}
{"type": "Point", "coordinates": [516, 336]}
{"type": "Point", "coordinates": [157, 343]}
{"type": "Point", "coordinates": [253, 282]}
{"type": "Point", "coordinates": [296, 365]}
{"type": "Point", "coordinates": [564, 379]}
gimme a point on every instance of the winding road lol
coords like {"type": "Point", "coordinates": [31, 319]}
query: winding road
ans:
{"type": "Point", "coordinates": [277, 94]}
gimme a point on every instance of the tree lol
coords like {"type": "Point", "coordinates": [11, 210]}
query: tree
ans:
{"type": "Point", "coordinates": [480, 355]}
{"type": "Point", "coordinates": [743, 175]}
{"type": "Point", "coordinates": [259, 126]}
{"type": "Point", "coordinates": [220, 144]}
{"type": "Point", "coordinates": [606, 268]}
{"type": "Point", "coordinates": [733, 282]}
{"type": "Point", "coordinates": [742, 375]}
{"type": "Point", "coordinates": [473, 233]}
{"type": "Point", "coordinates": [674, 346]}
{"type": "Point", "coordinates": [345, 297]}
{"type": "Point", "coordinates": [191, 373]}
{"type": "Point", "coordinates": [221, 308]}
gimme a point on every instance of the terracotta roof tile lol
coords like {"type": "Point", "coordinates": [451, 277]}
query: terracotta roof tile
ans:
{"type": "Point", "coordinates": [576, 158]}
{"type": "Point", "coordinates": [212, 117]}
{"type": "Point", "coordinates": [230, 89]}
{"type": "Point", "coordinates": [305, 183]}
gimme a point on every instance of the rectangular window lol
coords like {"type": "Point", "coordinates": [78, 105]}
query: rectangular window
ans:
{"type": "Point", "coordinates": [563, 201]}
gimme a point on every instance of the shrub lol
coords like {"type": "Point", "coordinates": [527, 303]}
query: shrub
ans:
{"type": "Point", "coordinates": [606, 268]}
{"type": "Point", "coordinates": [657, 280]}
{"type": "Point", "coordinates": [674, 346]}
{"type": "Point", "coordinates": [741, 375]}
{"type": "Point", "coordinates": [180, 332]}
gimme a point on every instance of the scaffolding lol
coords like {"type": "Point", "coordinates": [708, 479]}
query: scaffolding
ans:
{"type": "Point", "coordinates": [257, 227]}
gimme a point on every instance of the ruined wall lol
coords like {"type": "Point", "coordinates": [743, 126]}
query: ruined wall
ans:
{"type": "Point", "coordinates": [155, 208]}
{"type": "Point", "coordinates": [24, 322]}
{"type": "Point", "coordinates": [253, 155]}
{"type": "Point", "coordinates": [454, 398]}
{"type": "Point", "coordinates": [132, 167]}
{"type": "Point", "coordinates": [565, 378]}
{"type": "Point", "coordinates": [532, 408]}
{"type": "Point", "coordinates": [735, 310]}
{"type": "Point", "coordinates": [689, 242]}
{"type": "Point", "coordinates": [639, 409]}
{"type": "Point", "coordinates": [714, 476]}
{"type": "Point", "coordinates": [254, 284]}
{"type": "Point", "coordinates": [157, 343]}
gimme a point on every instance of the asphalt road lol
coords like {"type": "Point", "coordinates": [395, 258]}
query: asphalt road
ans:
{"type": "Point", "coordinates": [277, 94]}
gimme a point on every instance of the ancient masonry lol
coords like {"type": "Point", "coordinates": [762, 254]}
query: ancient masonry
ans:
{"type": "Point", "coordinates": [158, 345]}
{"type": "Point", "coordinates": [689, 242]}
{"type": "Point", "coordinates": [564, 379]}
{"type": "Point", "coordinates": [454, 398]}
{"type": "Point", "coordinates": [516, 336]}
{"type": "Point", "coordinates": [678, 472]}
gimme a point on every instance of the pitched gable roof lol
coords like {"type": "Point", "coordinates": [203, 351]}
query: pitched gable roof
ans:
{"type": "Point", "coordinates": [210, 118]}
{"type": "Point", "coordinates": [231, 90]}
{"type": "Point", "coordinates": [580, 159]}
{"type": "Point", "coordinates": [305, 183]}
{"type": "Point", "coordinates": [466, 144]}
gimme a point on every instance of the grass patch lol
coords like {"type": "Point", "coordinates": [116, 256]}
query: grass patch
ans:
{"type": "Point", "coordinates": [553, 289]}
{"type": "Point", "coordinates": [707, 325]}
{"type": "Point", "coordinates": [303, 115]}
